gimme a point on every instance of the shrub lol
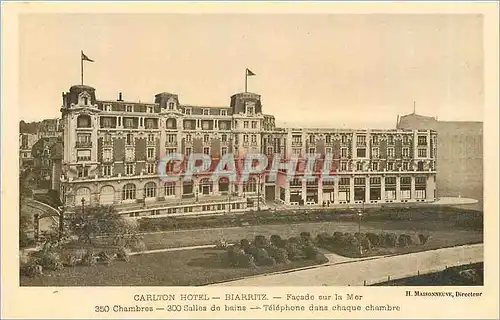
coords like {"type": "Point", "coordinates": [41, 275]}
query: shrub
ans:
{"type": "Point", "coordinates": [276, 240]}
{"type": "Point", "coordinates": [261, 241]}
{"type": "Point", "coordinates": [404, 240]}
{"type": "Point", "coordinates": [123, 254]}
{"type": "Point", "coordinates": [294, 253]}
{"type": "Point", "coordinates": [250, 249]}
{"type": "Point", "coordinates": [293, 240]}
{"type": "Point", "coordinates": [423, 238]}
{"type": "Point", "coordinates": [267, 261]}
{"type": "Point", "coordinates": [90, 258]}
{"type": "Point", "coordinates": [366, 244]}
{"type": "Point", "coordinates": [373, 238]}
{"type": "Point", "coordinates": [31, 269]}
{"type": "Point", "coordinates": [281, 256]}
{"type": "Point", "coordinates": [49, 260]}
{"type": "Point", "coordinates": [106, 257]}
{"type": "Point", "coordinates": [324, 238]}
{"type": "Point", "coordinates": [244, 243]}
{"type": "Point", "coordinates": [305, 236]}
{"type": "Point", "coordinates": [310, 252]}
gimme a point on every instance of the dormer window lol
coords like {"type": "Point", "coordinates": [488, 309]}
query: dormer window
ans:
{"type": "Point", "coordinates": [86, 101]}
{"type": "Point", "coordinates": [149, 109]}
{"type": "Point", "coordinates": [107, 107]}
{"type": "Point", "coordinates": [250, 110]}
{"type": "Point", "coordinates": [187, 111]}
{"type": "Point", "coordinates": [128, 108]}
{"type": "Point", "coordinates": [171, 106]}
{"type": "Point", "coordinates": [223, 112]}
{"type": "Point", "coordinates": [206, 112]}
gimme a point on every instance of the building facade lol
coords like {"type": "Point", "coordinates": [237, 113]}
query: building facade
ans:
{"type": "Point", "coordinates": [112, 149]}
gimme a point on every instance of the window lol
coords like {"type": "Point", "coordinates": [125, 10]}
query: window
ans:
{"type": "Point", "coordinates": [406, 180]}
{"type": "Point", "coordinates": [422, 140]}
{"type": "Point", "coordinates": [151, 168]}
{"type": "Point", "coordinates": [312, 139]}
{"type": "Point", "coordinates": [254, 124]}
{"type": "Point", "coordinates": [344, 181]}
{"type": "Point", "coordinates": [328, 150]}
{"type": "Point", "coordinates": [149, 109]}
{"type": "Point", "coordinates": [83, 155]}
{"type": "Point", "coordinates": [390, 152]}
{"type": "Point", "coordinates": [130, 139]}
{"type": "Point", "coordinates": [171, 106]}
{"type": "Point", "coordinates": [359, 181]}
{"type": "Point", "coordinates": [223, 112]}
{"type": "Point", "coordinates": [250, 110]}
{"type": "Point", "coordinates": [206, 138]}
{"type": "Point", "coordinates": [169, 189]}
{"type": "Point", "coordinates": [187, 111]}
{"type": "Point", "coordinates": [375, 153]}
{"type": "Point", "coordinates": [328, 138]}
{"type": "Point", "coordinates": [223, 138]}
{"type": "Point", "coordinates": [107, 107]}
{"type": "Point", "coordinates": [188, 137]}
{"type": "Point", "coordinates": [375, 139]}
{"type": "Point", "coordinates": [361, 140]}
{"type": "Point", "coordinates": [83, 121]}
{"type": "Point", "coordinates": [390, 180]}
{"type": "Point", "coordinates": [206, 112]}
{"type": "Point", "coordinates": [390, 139]}
{"type": "Point", "coordinates": [250, 186]}
{"type": "Point", "coordinates": [170, 150]}
{"type": "Point", "coordinates": [83, 172]}
{"type": "Point", "coordinates": [245, 138]}
{"type": "Point", "coordinates": [254, 138]}
{"type": "Point", "coordinates": [343, 166]}
{"type": "Point", "coordinates": [420, 166]}
{"type": "Point", "coordinates": [374, 180]}
{"type": "Point", "coordinates": [150, 190]}
{"type": "Point", "coordinates": [406, 152]}
{"type": "Point", "coordinates": [361, 153]}
{"type": "Point", "coordinates": [343, 139]}
{"type": "Point", "coordinates": [206, 150]}
{"type": "Point", "coordinates": [406, 139]}
{"type": "Point", "coordinates": [129, 169]}
{"type": "Point", "coordinates": [150, 124]}
{"type": "Point", "coordinates": [107, 122]}
{"type": "Point", "coordinates": [405, 166]}
{"type": "Point", "coordinates": [420, 181]}
{"type": "Point", "coordinates": [151, 153]}
{"type": "Point", "coordinates": [422, 153]}
{"type": "Point", "coordinates": [270, 150]}
{"type": "Point", "coordinates": [128, 192]}
{"type": "Point", "coordinates": [129, 108]}
{"type": "Point", "coordinates": [297, 139]}
{"type": "Point", "coordinates": [106, 171]}
{"type": "Point", "coordinates": [312, 150]}
{"type": "Point", "coordinates": [296, 151]}
{"type": "Point", "coordinates": [107, 155]}
{"type": "Point", "coordinates": [129, 154]}
{"type": "Point", "coordinates": [343, 152]}
{"type": "Point", "coordinates": [390, 166]}
{"type": "Point", "coordinates": [151, 137]}
{"type": "Point", "coordinates": [359, 166]}
{"type": "Point", "coordinates": [224, 150]}
{"type": "Point", "coordinates": [188, 152]}
{"type": "Point", "coordinates": [374, 166]}
{"type": "Point", "coordinates": [245, 124]}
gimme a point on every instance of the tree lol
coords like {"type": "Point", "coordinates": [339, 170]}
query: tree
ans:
{"type": "Point", "coordinates": [96, 221]}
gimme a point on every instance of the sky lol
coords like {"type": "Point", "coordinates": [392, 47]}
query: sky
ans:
{"type": "Point", "coordinates": [321, 70]}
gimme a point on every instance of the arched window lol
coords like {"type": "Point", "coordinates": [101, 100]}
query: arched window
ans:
{"type": "Point", "coordinates": [250, 185]}
{"type": "Point", "coordinates": [223, 184]}
{"type": "Point", "coordinates": [128, 191]}
{"type": "Point", "coordinates": [206, 186]}
{"type": "Point", "coordinates": [150, 190]}
{"type": "Point", "coordinates": [83, 121]}
{"type": "Point", "coordinates": [107, 195]}
{"type": "Point", "coordinates": [171, 123]}
{"type": "Point", "coordinates": [82, 193]}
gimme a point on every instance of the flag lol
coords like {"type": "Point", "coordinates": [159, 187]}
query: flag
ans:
{"type": "Point", "coordinates": [85, 58]}
{"type": "Point", "coordinates": [250, 73]}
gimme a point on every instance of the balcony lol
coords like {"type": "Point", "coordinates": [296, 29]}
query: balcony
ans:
{"type": "Point", "coordinates": [84, 144]}
{"type": "Point", "coordinates": [171, 144]}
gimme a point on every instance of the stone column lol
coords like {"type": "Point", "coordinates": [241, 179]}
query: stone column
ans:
{"type": "Point", "coordinates": [367, 189]}
{"type": "Point", "coordinates": [304, 190]}
{"type": "Point", "coordinates": [351, 189]}
{"type": "Point", "coordinates": [398, 189]}
{"type": "Point", "coordinates": [382, 189]}
{"type": "Point", "coordinates": [336, 189]}
{"type": "Point", "coordinates": [412, 195]}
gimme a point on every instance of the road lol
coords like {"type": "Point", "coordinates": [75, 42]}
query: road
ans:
{"type": "Point", "coordinates": [355, 273]}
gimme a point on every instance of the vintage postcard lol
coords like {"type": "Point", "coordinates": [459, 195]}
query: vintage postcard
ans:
{"type": "Point", "coordinates": [250, 160]}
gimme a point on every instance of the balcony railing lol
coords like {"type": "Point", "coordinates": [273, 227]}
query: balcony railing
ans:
{"type": "Point", "coordinates": [84, 144]}
{"type": "Point", "coordinates": [107, 143]}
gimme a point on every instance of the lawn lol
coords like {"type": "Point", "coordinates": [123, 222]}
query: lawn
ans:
{"type": "Point", "coordinates": [442, 234]}
{"type": "Point", "coordinates": [178, 268]}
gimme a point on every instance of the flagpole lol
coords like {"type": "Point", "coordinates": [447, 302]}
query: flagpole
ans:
{"type": "Point", "coordinates": [246, 80]}
{"type": "Point", "coordinates": [81, 65]}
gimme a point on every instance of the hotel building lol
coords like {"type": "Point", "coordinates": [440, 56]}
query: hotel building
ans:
{"type": "Point", "coordinates": [112, 148]}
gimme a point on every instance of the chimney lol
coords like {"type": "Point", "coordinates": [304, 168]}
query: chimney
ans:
{"type": "Point", "coordinates": [120, 97]}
